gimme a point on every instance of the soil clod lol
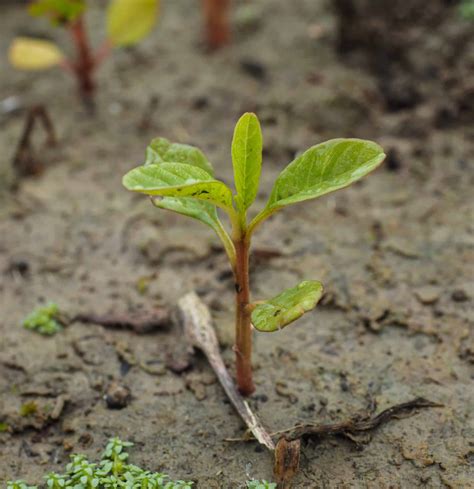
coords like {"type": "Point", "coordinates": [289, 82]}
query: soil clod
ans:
{"type": "Point", "coordinates": [118, 396]}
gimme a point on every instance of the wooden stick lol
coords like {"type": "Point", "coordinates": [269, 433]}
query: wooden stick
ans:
{"type": "Point", "coordinates": [200, 334]}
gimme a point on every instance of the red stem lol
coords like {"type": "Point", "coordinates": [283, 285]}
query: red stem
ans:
{"type": "Point", "coordinates": [216, 14]}
{"type": "Point", "coordinates": [85, 63]}
{"type": "Point", "coordinates": [243, 333]}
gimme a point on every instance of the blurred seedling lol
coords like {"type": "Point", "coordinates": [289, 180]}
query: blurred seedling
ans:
{"type": "Point", "coordinates": [128, 22]}
{"type": "Point", "coordinates": [112, 472]}
{"type": "Point", "coordinates": [179, 178]}
{"type": "Point", "coordinates": [45, 320]}
{"type": "Point", "coordinates": [254, 484]}
{"type": "Point", "coordinates": [217, 24]}
{"type": "Point", "coordinates": [466, 9]}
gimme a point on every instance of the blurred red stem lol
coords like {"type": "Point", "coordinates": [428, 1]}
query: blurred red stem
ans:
{"type": "Point", "coordinates": [216, 16]}
{"type": "Point", "coordinates": [85, 63]}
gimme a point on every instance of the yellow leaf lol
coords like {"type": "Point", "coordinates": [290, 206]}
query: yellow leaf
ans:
{"type": "Point", "coordinates": [27, 53]}
{"type": "Point", "coordinates": [129, 21]}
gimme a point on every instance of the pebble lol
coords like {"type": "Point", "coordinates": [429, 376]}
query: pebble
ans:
{"type": "Point", "coordinates": [459, 295]}
{"type": "Point", "coordinates": [427, 295]}
{"type": "Point", "coordinates": [117, 396]}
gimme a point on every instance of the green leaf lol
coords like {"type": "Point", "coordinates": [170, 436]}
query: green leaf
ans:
{"type": "Point", "coordinates": [59, 11]}
{"type": "Point", "coordinates": [187, 206]}
{"type": "Point", "coordinates": [247, 159]}
{"type": "Point", "coordinates": [283, 309]}
{"type": "Point", "coordinates": [324, 168]}
{"type": "Point", "coordinates": [160, 150]}
{"type": "Point", "coordinates": [179, 180]}
{"type": "Point", "coordinates": [129, 21]}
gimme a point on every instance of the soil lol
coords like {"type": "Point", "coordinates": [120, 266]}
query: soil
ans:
{"type": "Point", "coordinates": [394, 252]}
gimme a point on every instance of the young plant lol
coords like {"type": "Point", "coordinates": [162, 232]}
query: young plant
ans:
{"type": "Point", "coordinates": [128, 22]}
{"type": "Point", "coordinates": [255, 484]}
{"type": "Point", "coordinates": [112, 472]}
{"type": "Point", "coordinates": [181, 179]}
{"type": "Point", "coordinates": [19, 485]}
{"type": "Point", "coordinates": [44, 320]}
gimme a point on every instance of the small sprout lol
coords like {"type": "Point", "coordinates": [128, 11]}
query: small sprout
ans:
{"type": "Point", "coordinates": [128, 22]}
{"type": "Point", "coordinates": [28, 409]}
{"type": "Point", "coordinates": [179, 178]}
{"type": "Point", "coordinates": [82, 474]}
{"type": "Point", "coordinates": [4, 427]}
{"type": "Point", "coordinates": [19, 485]}
{"type": "Point", "coordinates": [44, 320]}
{"type": "Point", "coordinates": [254, 484]}
{"type": "Point", "coordinates": [466, 9]}
{"type": "Point", "coordinates": [56, 481]}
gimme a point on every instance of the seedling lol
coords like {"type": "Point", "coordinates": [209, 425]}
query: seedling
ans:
{"type": "Point", "coordinates": [128, 22]}
{"type": "Point", "coordinates": [44, 320]}
{"type": "Point", "coordinates": [181, 179]}
{"type": "Point", "coordinates": [466, 9]}
{"type": "Point", "coordinates": [216, 18]}
{"type": "Point", "coordinates": [254, 484]}
{"type": "Point", "coordinates": [112, 472]}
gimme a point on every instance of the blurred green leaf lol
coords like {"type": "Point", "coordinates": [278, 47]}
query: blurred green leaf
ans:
{"type": "Point", "coordinates": [466, 9]}
{"type": "Point", "coordinates": [27, 53]}
{"type": "Point", "coordinates": [58, 11]}
{"type": "Point", "coordinates": [129, 21]}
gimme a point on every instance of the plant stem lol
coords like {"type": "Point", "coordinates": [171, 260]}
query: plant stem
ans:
{"type": "Point", "coordinates": [216, 14]}
{"type": "Point", "coordinates": [84, 65]}
{"type": "Point", "coordinates": [243, 327]}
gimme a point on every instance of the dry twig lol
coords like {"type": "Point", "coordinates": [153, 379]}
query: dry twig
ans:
{"type": "Point", "coordinates": [140, 323]}
{"type": "Point", "coordinates": [198, 329]}
{"type": "Point", "coordinates": [356, 425]}
{"type": "Point", "coordinates": [24, 162]}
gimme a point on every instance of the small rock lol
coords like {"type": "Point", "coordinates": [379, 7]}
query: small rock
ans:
{"type": "Point", "coordinates": [281, 388]}
{"type": "Point", "coordinates": [118, 396]}
{"type": "Point", "coordinates": [459, 295]}
{"type": "Point", "coordinates": [179, 363]}
{"type": "Point", "coordinates": [427, 295]}
{"type": "Point", "coordinates": [197, 388]}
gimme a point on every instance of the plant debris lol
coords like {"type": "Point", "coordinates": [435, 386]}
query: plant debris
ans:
{"type": "Point", "coordinates": [138, 322]}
